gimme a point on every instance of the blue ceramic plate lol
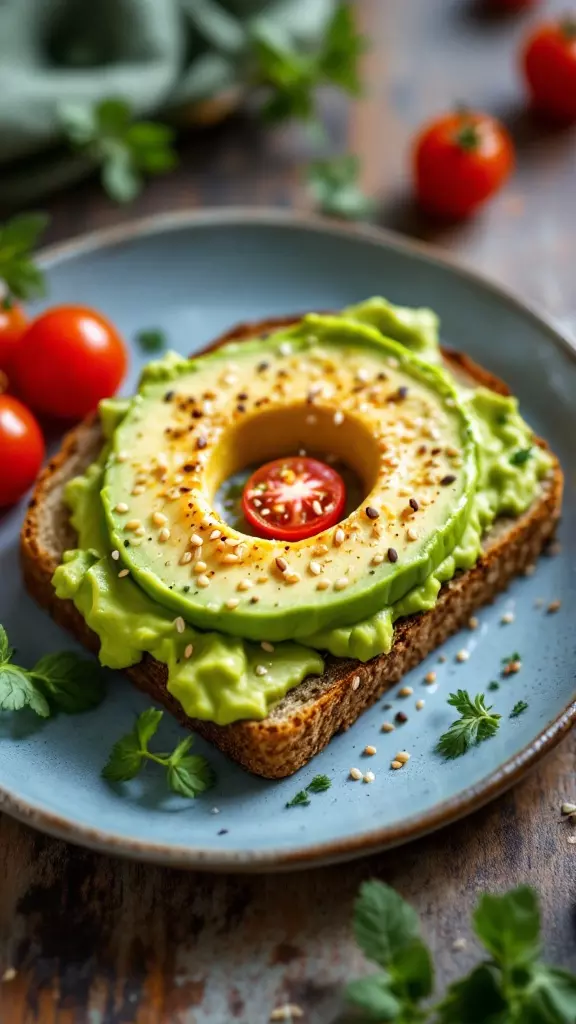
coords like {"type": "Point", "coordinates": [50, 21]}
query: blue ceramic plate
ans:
{"type": "Point", "coordinates": [193, 276]}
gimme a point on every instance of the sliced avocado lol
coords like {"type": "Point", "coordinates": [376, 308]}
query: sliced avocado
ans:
{"type": "Point", "coordinates": [403, 430]}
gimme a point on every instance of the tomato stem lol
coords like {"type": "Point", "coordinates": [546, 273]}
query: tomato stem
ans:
{"type": "Point", "coordinates": [468, 136]}
{"type": "Point", "coordinates": [7, 303]}
{"type": "Point", "coordinates": [568, 27]}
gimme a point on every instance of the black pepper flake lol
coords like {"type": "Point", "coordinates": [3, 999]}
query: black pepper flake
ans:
{"type": "Point", "coordinates": [197, 414]}
{"type": "Point", "coordinates": [240, 408]}
{"type": "Point", "coordinates": [201, 443]}
{"type": "Point", "coordinates": [435, 451]}
{"type": "Point", "coordinates": [186, 589]}
{"type": "Point", "coordinates": [372, 512]}
{"type": "Point", "coordinates": [402, 392]}
{"type": "Point", "coordinates": [126, 543]}
{"type": "Point", "coordinates": [223, 832]}
{"type": "Point", "coordinates": [392, 555]}
{"type": "Point", "coordinates": [382, 376]}
{"type": "Point", "coordinates": [414, 504]}
{"type": "Point", "coordinates": [242, 396]}
{"type": "Point", "coordinates": [401, 717]}
{"type": "Point", "coordinates": [262, 366]}
{"type": "Point", "coordinates": [189, 467]}
{"type": "Point", "coordinates": [449, 479]}
{"type": "Point", "coordinates": [421, 450]}
{"type": "Point", "coordinates": [169, 396]}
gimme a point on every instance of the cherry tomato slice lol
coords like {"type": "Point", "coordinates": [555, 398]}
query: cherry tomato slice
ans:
{"type": "Point", "coordinates": [293, 498]}
{"type": "Point", "coordinates": [21, 449]}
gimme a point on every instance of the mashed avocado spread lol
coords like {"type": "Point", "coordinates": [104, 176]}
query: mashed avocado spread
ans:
{"type": "Point", "coordinates": [158, 571]}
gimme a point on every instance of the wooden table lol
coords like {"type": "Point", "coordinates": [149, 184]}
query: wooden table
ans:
{"type": "Point", "coordinates": [98, 939]}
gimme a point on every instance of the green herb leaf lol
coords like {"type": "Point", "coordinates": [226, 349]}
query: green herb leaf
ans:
{"type": "Point", "coordinates": [6, 651]}
{"type": "Point", "coordinates": [521, 456]}
{"type": "Point", "coordinates": [374, 997]}
{"type": "Point", "coordinates": [147, 725]}
{"type": "Point", "coordinates": [300, 800]}
{"type": "Point", "coordinates": [509, 926]}
{"type": "Point", "coordinates": [125, 760]}
{"type": "Point", "coordinates": [319, 784]}
{"type": "Point", "coordinates": [18, 237]}
{"type": "Point", "coordinates": [493, 685]}
{"type": "Point", "coordinates": [518, 708]}
{"type": "Point", "coordinates": [551, 996]}
{"type": "Point", "coordinates": [384, 924]}
{"type": "Point", "coordinates": [151, 339]}
{"type": "Point", "coordinates": [413, 971]}
{"type": "Point", "coordinates": [510, 658]}
{"type": "Point", "coordinates": [17, 691]}
{"type": "Point", "coordinates": [190, 776]}
{"type": "Point", "coordinates": [125, 150]}
{"type": "Point", "coordinates": [335, 189]}
{"type": "Point", "coordinates": [71, 683]}
{"type": "Point", "coordinates": [476, 999]}
{"type": "Point", "coordinates": [475, 724]}
{"type": "Point", "coordinates": [338, 62]}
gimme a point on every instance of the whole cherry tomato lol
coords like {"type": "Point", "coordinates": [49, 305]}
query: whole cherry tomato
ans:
{"type": "Point", "coordinates": [512, 5]}
{"type": "Point", "coordinates": [13, 323]}
{"type": "Point", "coordinates": [549, 62]}
{"type": "Point", "coordinates": [460, 160]}
{"type": "Point", "coordinates": [293, 498]}
{"type": "Point", "coordinates": [69, 358]}
{"type": "Point", "coordinates": [21, 449]}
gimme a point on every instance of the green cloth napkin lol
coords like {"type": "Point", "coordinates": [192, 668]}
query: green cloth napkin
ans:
{"type": "Point", "coordinates": [158, 55]}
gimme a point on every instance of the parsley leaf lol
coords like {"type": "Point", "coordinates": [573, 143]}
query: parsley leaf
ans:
{"type": "Point", "coordinates": [125, 150]}
{"type": "Point", "coordinates": [493, 685]}
{"type": "Point", "coordinates": [71, 683]}
{"type": "Point", "coordinates": [521, 456]}
{"type": "Point", "coordinates": [319, 784]}
{"type": "Point", "coordinates": [186, 775]}
{"type": "Point", "coordinates": [151, 339]}
{"type": "Point", "coordinates": [518, 708]}
{"type": "Point", "coordinates": [18, 691]}
{"type": "Point", "coordinates": [510, 658]}
{"type": "Point", "coordinates": [335, 189]}
{"type": "Point", "coordinates": [18, 237]}
{"type": "Point", "coordinates": [300, 800]}
{"type": "Point", "coordinates": [475, 724]}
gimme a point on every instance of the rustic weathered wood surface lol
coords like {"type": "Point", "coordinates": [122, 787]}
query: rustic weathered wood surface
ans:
{"type": "Point", "coordinates": [110, 942]}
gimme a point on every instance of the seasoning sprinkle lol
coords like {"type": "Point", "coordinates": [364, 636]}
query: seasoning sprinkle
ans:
{"type": "Point", "coordinates": [463, 655]}
{"type": "Point", "coordinates": [215, 535]}
{"type": "Point", "coordinates": [159, 519]}
{"type": "Point", "coordinates": [203, 581]}
{"type": "Point", "coordinates": [420, 704]}
{"type": "Point", "coordinates": [430, 677]}
{"type": "Point", "coordinates": [355, 774]}
{"type": "Point", "coordinates": [403, 756]}
{"type": "Point", "coordinates": [414, 504]}
{"type": "Point", "coordinates": [448, 479]}
{"type": "Point", "coordinates": [370, 750]}
{"type": "Point", "coordinates": [282, 564]}
{"type": "Point", "coordinates": [377, 559]}
{"type": "Point", "coordinates": [369, 777]}
{"type": "Point", "coordinates": [115, 554]}
{"type": "Point", "coordinates": [123, 573]}
{"type": "Point", "coordinates": [323, 584]}
{"type": "Point", "coordinates": [473, 622]}
{"type": "Point", "coordinates": [121, 507]}
{"type": "Point", "coordinates": [232, 603]}
{"type": "Point", "coordinates": [186, 557]}
{"type": "Point", "coordinates": [188, 651]}
{"type": "Point", "coordinates": [405, 691]}
{"type": "Point", "coordinates": [392, 555]}
{"type": "Point", "coordinates": [553, 607]}
{"type": "Point", "coordinates": [200, 567]}
{"type": "Point", "coordinates": [164, 534]}
{"type": "Point", "coordinates": [315, 568]}
{"type": "Point", "coordinates": [342, 583]}
{"type": "Point", "coordinates": [411, 533]}
{"type": "Point", "coordinates": [196, 540]}
{"type": "Point", "coordinates": [267, 646]}
{"type": "Point", "coordinates": [261, 670]}
{"type": "Point", "coordinates": [339, 537]}
{"type": "Point", "coordinates": [401, 717]}
{"type": "Point", "coordinates": [395, 765]}
{"type": "Point", "coordinates": [507, 618]}
{"type": "Point", "coordinates": [355, 682]}
{"type": "Point", "coordinates": [387, 727]}
{"type": "Point", "coordinates": [372, 512]}
{"type": "Point", "coordinates": [338, 418]}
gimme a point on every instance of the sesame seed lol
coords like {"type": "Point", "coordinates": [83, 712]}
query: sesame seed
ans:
{"type": "Point", "coordinates": [377, 559]}
{"type": "Point", "coordinates": [200, 567]}
{"type": "Point", "coordinates": [355, 774]}
{"type": "Point", "coordinates": [261, 670]}
{"type": "Point", "coordinates": [230, 558]}
{"type": "Point", "coordinates": [285, 348]}
{"type": "Point", "coordinates": [323, 584]}
{"type": "Point", "coordinates": [396, 765]}
{"type": "Point", "coordinates": [411, 533]}
{"type": "Point", "coordinates": [315, 568]}
{"type": "Point", "coordinates": [289, 1012]}
{"type": "Point", "coordinates": [186, 557]}
{"type": "Point", "coordinates": [463, 655]}
{"type": "Point", "coordinates": [338, 418]}
{"type": "Point", "coordinates": [405, 691]}
{"type": "Point", "coordinates": [392, 555]}
{"type": "Point", "coordinates": [164, 534]}
{"type": "Point", "coordinates": [232, 603]}
{"type": "Point", "coordinates": [321, 549]}
{"type": "Point", "coordinates": [266, 646]}
{"type": "Point", "coordinates": [121, 507]}
{"type": "Point", "coordinates": [339, 537]}
{"type": "Point", "coordinates": [420, 704]}
{"type": "Point", "coordinates": [507, 618]}
{"type": "Point", "coordinates": [459, 945]}
{"type": "Point", "coordinates": [311, 420]}
{"type": "Point", "coordinates": [262, 579]}
{"type": "Point", "coordinates": [342, 583]}
{"type": "Point", "coordinates": [387, 727]}
{"type": "Point", "coordinates": [196, 540]}
{"type": "Point", "coordinates": [173, 494]}
{"type": "Point", "coordinates": [159, 519]}
{"type": "Point", "coordinates": [180, 624]}
{"type": "Point", "coordinates": [317, 507]}
{"type": "Point", "coordinates": [281, 564]}
{"type": "Point", "coordinates": [430, 677]}
{"type": "Point", "coordinates": [121, 456]}
{"type": "Point", "coordinates": [133, 524]}
{"type": "Point", "coordinates": [553, 607]}
{"type": "Point", "coordinates": [245, 585]}
{"type": "Point", "coordinates": [123, 572]}
{"type": "Point", "coordinates": [529, 570]}
{"type": "Point", "coordinates": [140, 531]}
{"type": "Point", "coordinates": [215, 535]}
{"type": "Point", "coordinates": [188, 651]}
{"type": "Point", "coordinates": [139, 489]}
{"type": "Point", "coordinates": [370, 751]}
{"type": "Point", "coordinates": [372, 512]}
{"type": "Point", "coordinates": [403, 757]}
{"type": "Point", "coordinates": [115, 554]}
{"type": "Point", "coordinates": [203, 581]}
{"type": "Point", "coordinates": [292, 577]}
{"type": "Point", "coordinates": [369, 777]}
{"type": "Point", "coordinates": [355, 682]}
{"type": "Point", "coordinates": [473, 622]}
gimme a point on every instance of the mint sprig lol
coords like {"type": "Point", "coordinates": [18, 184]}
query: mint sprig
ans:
{"type": "Point", "coordinates": [18, 237]}
{"type": "Point", "coordinates": [126, 151]}
{"type": "Point", "coordinates": [58, 682]}
{"type": "Point", "coordinates": [187, 775]}
{"type": "Point", "coordinates": [510, 986]}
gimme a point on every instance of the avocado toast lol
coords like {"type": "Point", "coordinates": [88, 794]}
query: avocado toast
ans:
{"type": "Point", "coordinates": [271, 680]}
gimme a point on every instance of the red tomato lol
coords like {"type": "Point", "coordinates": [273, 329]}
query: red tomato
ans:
{"type": "Point", "coordinates": [460, 160]}
{"type": "Point", "coordinates": [69, 358]}
{"type": "Point", "coordinates": [21, 449]}
{"type": "Point", "coordinates": [293, 498]}
{"type": "Point", "coordinates": [513, 5]}
{"type": "Point", "coordinates": [13, 322]}
{"type": "Point", "coordinates": [549, 61]}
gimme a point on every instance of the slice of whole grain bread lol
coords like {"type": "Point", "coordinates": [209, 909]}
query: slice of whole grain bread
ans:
{"type": "Point", "coordinates": [304, 721]}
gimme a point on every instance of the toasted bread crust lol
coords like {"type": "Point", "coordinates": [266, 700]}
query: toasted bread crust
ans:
{"type": "Point", "coordinates": [306, 719]}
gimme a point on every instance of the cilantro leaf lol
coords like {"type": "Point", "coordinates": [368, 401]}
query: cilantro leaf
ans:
{"type": "Point", "coordinates": [509, 926]}
{"type": "Point", "coordinates": [518, 458]}
{"type": "Point", "coordinates": [18, 237]}
{"type": "Point", "coordinates": [335, 189]}
{"type": "Point", "coordinates": [151, 339]}
{"type": "Point", "coordinates": [476, 999]}
{"type": "Point", "coordinates": [475, 725]}
{"type": "Point", "coordinates": [319, 784]}
{"type": "Point", "coordinates": [17, 691]}
{"type": "Point", "coordinates": [125, 760]}
{"type": "Point", "coordinates": [518, 708]}
{"type": "Point", "coordinates": [384, 924]}
{"type": "Point", "coordinates": [147, 725]}
{"type": "Point", "coordinates": [300, 800]}
{"type": "Point", "coordinates": [6, 651]}
{"type": "Point", "coordinates": [190, 776]}
{"type": "Point", "coordinates": [125, 150]}
{"type": "Point", "coordinates": [374, 997]}
{"type": "Point", "coordinates": [71, 683]}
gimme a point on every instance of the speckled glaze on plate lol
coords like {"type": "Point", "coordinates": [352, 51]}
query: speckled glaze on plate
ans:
{"type": "Point", "coordinates": [194, 275]}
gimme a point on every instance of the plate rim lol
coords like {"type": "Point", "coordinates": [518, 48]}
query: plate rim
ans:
{"type": "Point", "coordinates": [470, 799]}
